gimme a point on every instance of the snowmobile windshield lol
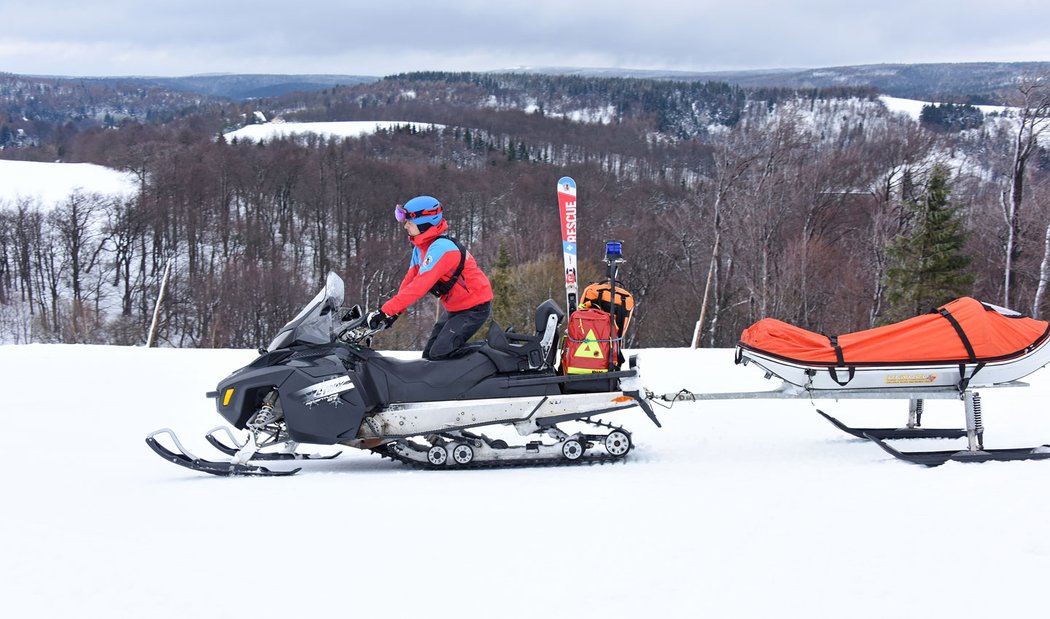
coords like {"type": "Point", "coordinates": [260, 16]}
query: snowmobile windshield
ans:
{"type": "Point", "coordinates": [313, 324]}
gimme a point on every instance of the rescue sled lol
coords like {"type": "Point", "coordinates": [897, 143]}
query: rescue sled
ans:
{"type": "Point", "coordinates": [945, 354]}
{"type": "Point", "coordinates": [962, 344]}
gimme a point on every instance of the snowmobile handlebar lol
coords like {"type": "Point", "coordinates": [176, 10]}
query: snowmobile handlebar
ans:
{"type": "Point", "coordinates": [352, 334]}
{"type": "Point", "coordinates": [354, 326]}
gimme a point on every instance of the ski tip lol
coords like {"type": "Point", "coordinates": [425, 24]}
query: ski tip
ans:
{"type": "Point", "coordinates": [566, 182]}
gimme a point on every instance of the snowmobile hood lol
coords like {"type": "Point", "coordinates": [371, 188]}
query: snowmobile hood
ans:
{"type": "Point", "coordinates": [964, 330]}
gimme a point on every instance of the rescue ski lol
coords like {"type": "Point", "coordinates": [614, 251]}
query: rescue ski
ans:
{"type": "Point", "coordinates": [567, 208]}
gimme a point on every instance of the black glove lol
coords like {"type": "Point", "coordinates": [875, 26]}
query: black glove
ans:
{"type": "Point", "coordinates": [377, 320]}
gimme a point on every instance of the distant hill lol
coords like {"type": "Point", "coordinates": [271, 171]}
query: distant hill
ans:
{"type": "Point", "coordinates": [43, 112]}
{"type": "Point", "coordinates": [241, 87]}
{"type": "Point", "coordinates": [974, 82]}
{"type": "Point", "coordinates": [33, 107]}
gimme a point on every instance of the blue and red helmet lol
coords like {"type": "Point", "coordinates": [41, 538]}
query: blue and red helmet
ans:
{"type": "Point", "coordinates": [421, 210]}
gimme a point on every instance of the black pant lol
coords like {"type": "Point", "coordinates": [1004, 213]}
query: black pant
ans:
{"type": "Point", "coordinates": [453, 329]}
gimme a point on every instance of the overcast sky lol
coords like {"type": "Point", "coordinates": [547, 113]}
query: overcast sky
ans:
{"type": "Point", "coordinates": [382, 37]}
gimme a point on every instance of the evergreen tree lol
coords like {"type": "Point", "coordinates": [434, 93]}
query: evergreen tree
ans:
{"type": "Point", "coordinates": [951, 117]}
{"type": "Point", "coordinates": [927, 265]}
{"type": "Point", "coordinates": [504, 297]}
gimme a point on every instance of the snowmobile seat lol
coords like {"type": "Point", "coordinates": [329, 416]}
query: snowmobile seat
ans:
{"type": "Point", "coordinates": [414, 380]}
{"type": "Point", "coordinates": [499, 353]}
{"type": "Point", "coordinates": [532, 352]}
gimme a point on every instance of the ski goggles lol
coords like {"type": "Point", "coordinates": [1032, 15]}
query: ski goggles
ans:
{"type": "Point", "coordinates": [400, 214]}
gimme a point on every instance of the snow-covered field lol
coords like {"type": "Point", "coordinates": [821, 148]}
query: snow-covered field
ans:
{"type": "Point", "coordinates": [344, 129]}
{"type": "Point", "coordinates": [745, 508]}
{"type": "Point", "coordinates": [51, 183]}
{"type": "Point", "coordinates": [913, 108]}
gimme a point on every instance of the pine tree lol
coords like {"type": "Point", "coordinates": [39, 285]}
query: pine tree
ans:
{"type": "Point", "coordinates": [928, 266]}
{"type": "Point", "coordinates": [504, 297]}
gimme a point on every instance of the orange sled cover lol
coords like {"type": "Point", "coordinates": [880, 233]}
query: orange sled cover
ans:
{"type": "Point", "coordinates": [962, 331]}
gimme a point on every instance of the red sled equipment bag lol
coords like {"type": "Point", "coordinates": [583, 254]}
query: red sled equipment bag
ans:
{"type": "Point", "coordinates": [589, 342]}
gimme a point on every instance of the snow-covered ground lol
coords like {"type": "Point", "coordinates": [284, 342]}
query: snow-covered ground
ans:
{"type": "Point", "coordinates": [913, 108]}
{"type": "Point", "coordinates": [747, 508]}
{"type": "Point", "coordinates": [51, 183]}
{"type": "Point", "coordinates": [345, 129]}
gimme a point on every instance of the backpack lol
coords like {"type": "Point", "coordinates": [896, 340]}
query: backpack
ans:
{"type": "Point", "coordinates": [598, 295]}
{"type": "Point", "coordinates": [590, 335]}
{"type": "Point", "coordinates": [589, 342]}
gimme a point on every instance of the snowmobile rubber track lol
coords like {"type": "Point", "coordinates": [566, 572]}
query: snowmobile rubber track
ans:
{"type": "Point", "coordinates": [895, 433]}
{"type": "Point", "coordinates": [500, 464]}
{"type": "Point", "coordinates": [384, 452]}
{"type": "Point", "coordinates": [937, 458]}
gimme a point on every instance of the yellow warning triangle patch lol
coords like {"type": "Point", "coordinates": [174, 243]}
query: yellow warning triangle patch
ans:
{"type": "Point", "coordinates": [590, 347]}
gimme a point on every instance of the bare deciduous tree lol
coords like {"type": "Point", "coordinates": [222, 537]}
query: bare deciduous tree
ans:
{"type": "Point", "coordinates": [1033, 118]}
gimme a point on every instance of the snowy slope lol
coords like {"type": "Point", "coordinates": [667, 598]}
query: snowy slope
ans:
{"type": "Point", "coordinates": [51, 183]}
{"type": "Point", "coordinates": [733, 509]}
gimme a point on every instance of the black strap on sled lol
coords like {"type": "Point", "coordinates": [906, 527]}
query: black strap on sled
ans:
{"type": "Point", "coordinates": [849, 375]}
{"type": "Point", "coordinates": [964, 380]}
{"type": "Point", "coordinates": [960, 332]}
{"type": "Point", "coordinates": [440, 289]}
{"type": "Point", "coordinates": [840, 362]}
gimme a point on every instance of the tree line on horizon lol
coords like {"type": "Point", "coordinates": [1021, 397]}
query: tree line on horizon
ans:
{"type": "Point", "coordinates": [807, 207]}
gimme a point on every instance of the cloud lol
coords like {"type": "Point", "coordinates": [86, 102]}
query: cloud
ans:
{"type": "Point", "coordinates": [119, 37]}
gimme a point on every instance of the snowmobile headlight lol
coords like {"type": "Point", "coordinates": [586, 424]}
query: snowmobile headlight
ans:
{"type": "Point", "coordinates": [226, 398]}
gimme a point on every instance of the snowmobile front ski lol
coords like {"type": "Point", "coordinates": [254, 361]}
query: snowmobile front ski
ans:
{"type": "Point", "coordinates": [182, 457]}
{"type": "Point", "coordinates": [895, 433]}
{"type": "Point", "coordinates": [567, 209]}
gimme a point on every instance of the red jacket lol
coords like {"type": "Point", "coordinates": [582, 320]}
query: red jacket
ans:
{"type": "Point", "coordinates": [435, 258]}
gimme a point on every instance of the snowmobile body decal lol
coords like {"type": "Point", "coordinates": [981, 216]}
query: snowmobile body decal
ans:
{"type": "Point", "coordinates": [328, 390]}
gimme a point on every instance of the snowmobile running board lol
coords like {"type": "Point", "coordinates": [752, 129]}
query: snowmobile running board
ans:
{"type": "Point", "coordinates": [289, 454]}
{"type": "Point", "coordinates": [974, 431]}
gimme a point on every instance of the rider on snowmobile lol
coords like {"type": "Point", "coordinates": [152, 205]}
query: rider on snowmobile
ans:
{"type": "Point", "coordinates": [444, 268]}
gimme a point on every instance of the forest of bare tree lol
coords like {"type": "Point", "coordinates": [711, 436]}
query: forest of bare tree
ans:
{"type": "Point", "coordinates": [733, 204]}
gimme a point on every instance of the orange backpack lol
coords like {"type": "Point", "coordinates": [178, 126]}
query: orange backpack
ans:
{"type": "Point", "coordinates": [599, 295]}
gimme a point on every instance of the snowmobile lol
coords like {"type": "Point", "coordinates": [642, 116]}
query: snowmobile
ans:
{"type": "Point", "coordinates": [320, 382]}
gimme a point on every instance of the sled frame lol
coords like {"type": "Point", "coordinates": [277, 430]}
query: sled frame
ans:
{"type": "Point", "coordinates": [971, 399]}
